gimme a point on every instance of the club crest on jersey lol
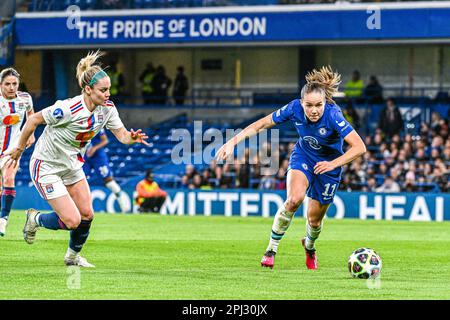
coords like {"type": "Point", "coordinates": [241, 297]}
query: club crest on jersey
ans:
{"type": "Point", "coordinates": [49, 188]}
{"type": "Point", "coordinates": [58, 113]}
{"type": "Point", "coordinates": [305, 166]}
{"type": "Point", "coordinates": [322, 131]}
{"type": "Point", "coordinates": [100, 118]}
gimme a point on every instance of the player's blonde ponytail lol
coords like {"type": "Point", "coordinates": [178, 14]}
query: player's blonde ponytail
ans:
{"type": "Point", "coordinates": [324, 78]}
{"type": "Point", "coordinates": [86, 68]}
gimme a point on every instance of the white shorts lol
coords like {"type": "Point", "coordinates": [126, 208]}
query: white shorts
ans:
{"type": "Point", "coordinates": [50, 180]}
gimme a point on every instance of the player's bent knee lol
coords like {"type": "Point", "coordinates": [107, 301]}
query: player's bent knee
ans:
{"type": "Point", "coordinates": [293, 202]}
{"type": "Point", "coordinates": [87, 214]}
{"type": "Point", "coordinates": [72, 223]}
{"type": "Point", "coordinates": [314, 222]}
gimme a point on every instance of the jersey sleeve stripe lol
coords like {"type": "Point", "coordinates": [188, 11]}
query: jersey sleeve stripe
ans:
{"type": "Point", "coordinates": [76, 109]}
{"type": "Point", "coordinates": [76, 104]}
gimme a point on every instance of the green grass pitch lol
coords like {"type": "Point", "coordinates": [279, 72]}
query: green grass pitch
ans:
{"type": "Point", "coordinates": [206, 258]}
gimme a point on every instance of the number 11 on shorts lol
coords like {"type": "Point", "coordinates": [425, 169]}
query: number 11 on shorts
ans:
{"type": "Point", "coordinates": [327, 192]}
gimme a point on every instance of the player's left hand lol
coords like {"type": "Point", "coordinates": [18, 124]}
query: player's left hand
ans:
{"type": "Point", "coordinates": [323, 167]}
{"type": "Point", "coordinates": [30, 141]}
{"type": "Point", "coordinates": [139, 137]}
{"type": "Point", "coordinates": [90, 152]}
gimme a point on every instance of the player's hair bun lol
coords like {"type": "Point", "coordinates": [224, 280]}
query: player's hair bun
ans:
{"type": "Point", "coordinates": [327, 79]}
{"type": "Point", "coordinates": [86, 68]}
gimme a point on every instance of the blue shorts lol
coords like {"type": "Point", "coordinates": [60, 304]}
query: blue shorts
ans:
{"type": "Point", "coordinates": [100, 163]}
{"type": "Point", "coordinates": [322, 187]}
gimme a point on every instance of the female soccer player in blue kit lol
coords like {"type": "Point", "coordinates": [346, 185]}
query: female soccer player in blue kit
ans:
{"type": "Point", "coordinates": [316, 161]}
{"type": "Point", "coordinates": [97, 159]}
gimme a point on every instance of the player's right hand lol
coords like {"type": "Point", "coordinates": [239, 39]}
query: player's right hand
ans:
{"type": "Point", "coordinates": [14, 156]}
{"type": "Point", "coordinates": [225, 151]}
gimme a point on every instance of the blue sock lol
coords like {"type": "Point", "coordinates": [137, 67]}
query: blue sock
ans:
{"type": "Point", "coordinates": [51, 221]}
{"type": "Point", "coordinates": [8, 196]}
{"type": "Point", "coordinates": [79, 236]}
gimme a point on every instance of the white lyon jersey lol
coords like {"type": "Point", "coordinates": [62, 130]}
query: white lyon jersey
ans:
{"type": "Point", "coordinates": [70, 128]}
{"type": "Point", "coordinates": [12, 114]}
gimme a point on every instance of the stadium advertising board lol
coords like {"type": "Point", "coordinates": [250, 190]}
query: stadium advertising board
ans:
{"type": "Point", "coordinates": [358, 205]}
{"type": "Point", "coordinates": [236, 25]}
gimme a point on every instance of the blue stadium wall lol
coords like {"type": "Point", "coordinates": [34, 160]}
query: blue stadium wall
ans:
{"type": "Point", "coordinates": [245, 203]}
{"type": "Point", "coordinates": [237, 25]}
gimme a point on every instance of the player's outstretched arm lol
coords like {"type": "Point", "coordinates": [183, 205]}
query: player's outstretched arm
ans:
{"type": "Point", "coordinates": [227, 149]}
{"type": "Point", "coordinates": [357, 149]}
{"type": "Point", "coordinates": [130, 137]}
{"type": "Point", "coordinates": [28, 129]}
{"type": "Point", "coordinates": [32, 139]}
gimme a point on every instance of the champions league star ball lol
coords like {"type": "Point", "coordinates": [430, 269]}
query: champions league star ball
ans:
{"type": "Point", "coordinates": [364, 263]}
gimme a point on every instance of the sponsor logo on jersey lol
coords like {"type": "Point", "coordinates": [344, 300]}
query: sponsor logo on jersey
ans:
{"type": "Point", "coordinates": [11, 119]}
{"type": "Point", "coordinates": [313, 143]}
{"type": "Point", "coordinates": [305, 166]}
{"type": "Point", "coordinates": [49, 188]}
{"type": "Point", "coordinates": [58, 114]}
{"type": "Point", "coordinates": [85, 136]}
{"type": "Point", "coordinates": [341, 124]}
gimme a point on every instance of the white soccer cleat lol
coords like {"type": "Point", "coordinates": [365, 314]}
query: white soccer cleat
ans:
{"type": "Point", "coordinates": [3, 224]}
{"type": "Point", "coordinates": [77, 260]}
{"type": "Point", "coordinates": [30, 228]}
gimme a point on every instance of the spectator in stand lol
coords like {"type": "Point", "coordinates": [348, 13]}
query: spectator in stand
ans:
{"type": "Point", "coordinates": [354, 87]}
{"type": "Point", "coordinates": [351, 115]}
{"type": "Point", "coordinates": [391, 121]}
{"type": "Point", "coordinates": [388, 186]}
{"type": "Point", "coordinates": [373, 91]}
{"type": "Point", "coordinates": [161, 84]}
{"type": "Point", "coordinates": [110, 4]}
{"type": "Point", "coordinates": [146, 79]}
{"type": "Point", "coordinates": [196, 182]}
{"type": "Point", "coordinates": [206, 184]}
{"type": "Point", "coordinates": [371, 185]}
{"type": "Point", "coordinates": [184, 183]}
{"type": "Point", "coordinates": [117, 83]}
{"type": "Point", "coordinates": [150, 197]}
{"type": "Point", "coordinates": [447, 153]}
{"type": "Point", "coordinates": [180, 87]}
{"type": "Point", "coordinates": [190, 171]}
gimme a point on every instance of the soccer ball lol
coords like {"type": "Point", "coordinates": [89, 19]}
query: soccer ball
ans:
{"type": "Point", "coordinates": [364, 263]}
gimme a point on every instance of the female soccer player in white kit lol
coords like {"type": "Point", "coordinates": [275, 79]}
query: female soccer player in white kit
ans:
{"type": "Point", "coordinates": [57, 161]}
{"type": "Point", "coordinates": [14, 105]}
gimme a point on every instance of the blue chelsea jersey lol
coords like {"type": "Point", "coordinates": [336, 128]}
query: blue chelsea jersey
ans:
{"type": "Point", "coordinates": [96, 139]}
{"type": "Point", "coordinates": [321, 140]}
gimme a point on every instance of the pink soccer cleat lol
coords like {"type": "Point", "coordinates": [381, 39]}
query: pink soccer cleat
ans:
{"type": "Point", "coordinates": [268, 259]}
{"type": "Point", "coordinates": [311, 258]}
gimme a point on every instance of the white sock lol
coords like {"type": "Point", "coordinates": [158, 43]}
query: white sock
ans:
{"type": "Point", "coordinates": [36, 219]}
{"type": "Point", "coordinates": [281, 223]}
{"type": "Point", "coordinates": [273, 245]}
{"type": "Point", "coordinates": [114, 187]}
{"type": "Point", "coordinates": [311, 235]}
{"type": "Point", "coordinates": [71, 253]}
